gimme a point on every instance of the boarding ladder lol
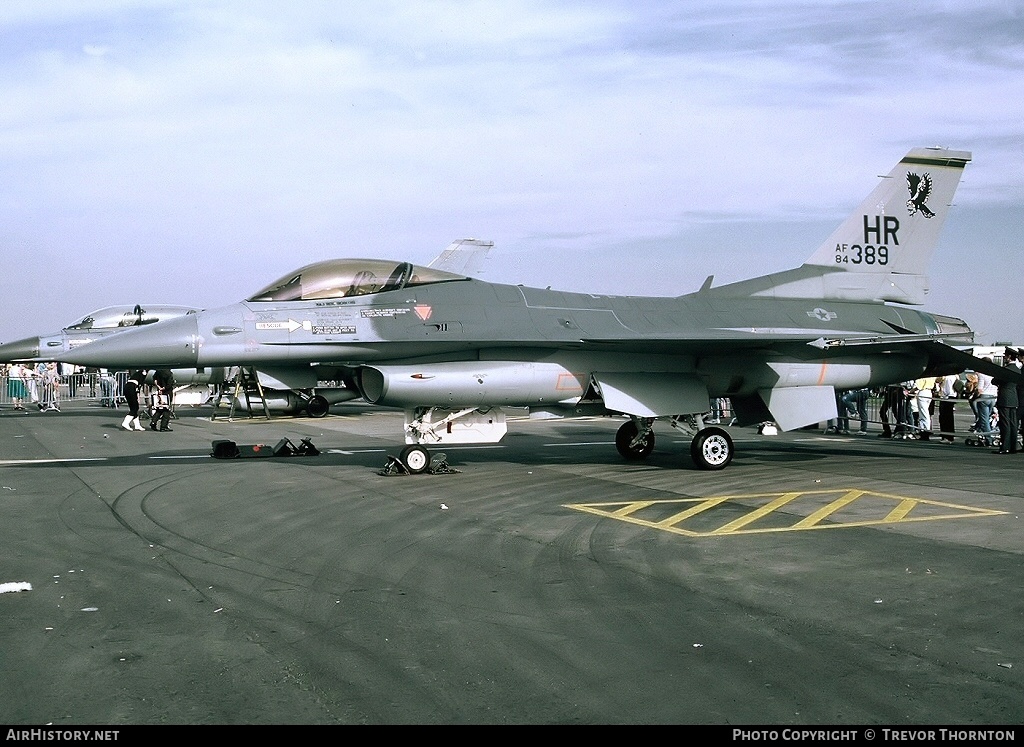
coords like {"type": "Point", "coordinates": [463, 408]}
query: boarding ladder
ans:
{"type": "Point", "coordinates": [246, 383]}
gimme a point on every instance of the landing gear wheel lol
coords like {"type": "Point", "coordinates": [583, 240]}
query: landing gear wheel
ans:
{"type": "Point", "coordinates": [711, 448]}
{"type": "Point", "coordinates": [624, 437]}
{"type": "Point", "coordinates": [318, 406]}
{"type": "Point", "coordinates": [415, 458]}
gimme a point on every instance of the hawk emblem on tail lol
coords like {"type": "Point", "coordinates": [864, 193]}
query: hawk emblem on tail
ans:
{"type": "Point", "coordinates": [920, 189]}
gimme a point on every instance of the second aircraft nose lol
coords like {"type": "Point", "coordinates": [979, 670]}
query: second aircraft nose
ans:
{"type": "Point", "coordinates": [170, 344]}
{"type": "Point", "coordinates": [20, 350]}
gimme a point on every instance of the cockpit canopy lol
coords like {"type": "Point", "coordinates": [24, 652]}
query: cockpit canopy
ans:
{"type": "Point", "coordinates": [344, 278]}
{"type": "Point", "coordinates": [114, 317]}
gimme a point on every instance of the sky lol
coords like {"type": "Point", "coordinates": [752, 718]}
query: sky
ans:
{"type": "Point", "coordinates": [190, 152]}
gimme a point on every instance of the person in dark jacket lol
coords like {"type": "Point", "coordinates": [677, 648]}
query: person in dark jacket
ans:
{"type": "Point", "coordinates": [1020, 392]}
{"type": "Point", "coordinates": [131, 397]}
{"type": "Point", "coordinates": [1006, 404]}
{"type": "Point", "coordinates": [894, 405]}
{"type": "Point", "coordinates": [163, 402]}
{"type": "Point", "coordinates": [161, 409]}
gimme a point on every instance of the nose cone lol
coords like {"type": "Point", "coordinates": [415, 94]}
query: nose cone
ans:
{"type": "Point", "coordinates": [170, 344]}
{"type": "Point", "coordinates": [20, 350]}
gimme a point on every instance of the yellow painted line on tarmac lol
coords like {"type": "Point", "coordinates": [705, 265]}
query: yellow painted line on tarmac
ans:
{"type": "Point", "coordinates": [740, 524]}
{"type": "Point", "coordinates": [761, 513]}
{"type": "Point", "coordinates": [701, 507]}
{"type": "Point", "coordinates": [825, 511]}
{"type": "Point", "coordinates": [901, 511]}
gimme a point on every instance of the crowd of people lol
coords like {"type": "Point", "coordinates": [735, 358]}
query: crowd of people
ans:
{"type": "Point", "coordinates": [907, 409]}
{"type": "Point", "coordinates": [35, 385]}
{"type": "Point", "coordinates": [39, 386]}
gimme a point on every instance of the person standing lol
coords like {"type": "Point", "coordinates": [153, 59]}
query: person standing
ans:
{"type": "Point", "coordinates": [983, 403]}
{"type": "Point", "coordinates": [161, 410]}
{"type": "Point", "coordinates": [107, 386]}
{"type": "Point", "coordinates": [49, 385]}
{"type": "Point", "coordinates": [1006, 404]}
{"type": "Point", "coordinates": [69, 373]}
{"type": "Point", "coordinates": [924, 390]}
{"type": "Point", "coordinates": [905, 411]}
{"type": "Point", "coordinates": [891, 401]}
{"type": "Point", "coordinates": [32, 382]}
{"type": "Point", "coordinates": [1020, 392]}
{"type": "Point", "coordinates": [164, 379]}
{"type": "Point", "coordinates": [131, 397]}
{"type": "Point", "coordinates": [856, 402]}
{"type": "Point", "coordinates": [970, 391]}
{"type": "Point", "coordinates": [16, 388]}
{"type": "Point", "coordinates": [92, 374]}
{"type": "Point", "coordinates": [947, 408]}
{"type": "Point", "coordinates": [840, 424]}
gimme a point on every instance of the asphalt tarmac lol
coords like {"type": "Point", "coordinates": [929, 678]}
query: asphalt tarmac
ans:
{"type": "Point", "coordinates": [817, 580]}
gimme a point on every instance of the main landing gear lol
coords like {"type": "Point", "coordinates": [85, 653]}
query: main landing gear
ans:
{"type": "Point", "coordinates": [635, 439]}
{"type": "Point", "coordinates": [711, 448]}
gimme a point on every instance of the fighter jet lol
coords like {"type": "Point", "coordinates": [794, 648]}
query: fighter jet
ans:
{"type": "Point", "coordinates": [92, 326]}
{"type": "Point", "coordinates": [462, 255]}
{"type": "Point", "coordinates": [107, 321]}
{"type": "Point", "coordinates": [455, 351]}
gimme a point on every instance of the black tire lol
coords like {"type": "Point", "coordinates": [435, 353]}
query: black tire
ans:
{"type": "Point", "coordinates": [415, 459]}
{"type": "Point", "coordinates": [711, 449]}
{"type": "Point", "coordinates": [318, 406]}
{"type": "Point", "coordinates": [624, 437]}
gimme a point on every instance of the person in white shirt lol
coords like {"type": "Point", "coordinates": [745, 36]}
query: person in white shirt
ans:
{"type": "Point", "coordinates": [985, 404]}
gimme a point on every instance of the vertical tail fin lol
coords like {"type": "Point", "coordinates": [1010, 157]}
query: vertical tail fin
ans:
{"type": "Point", "coordinates": [884, 247]}
{"type": "Point", "coordinates": [881, 252]}
{"type": "Point", "coordinates": [463, 257]}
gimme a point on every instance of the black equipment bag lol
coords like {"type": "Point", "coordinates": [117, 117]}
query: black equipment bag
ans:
{"type": "Point", "coordinates": [225, 450]}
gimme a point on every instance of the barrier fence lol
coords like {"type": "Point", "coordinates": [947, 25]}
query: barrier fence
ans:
{"type": "Point", "coordinates": [81, 388]}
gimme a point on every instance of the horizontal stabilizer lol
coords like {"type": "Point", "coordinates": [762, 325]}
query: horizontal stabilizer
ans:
{"type": "Point", "coordinates": [960, 360]}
